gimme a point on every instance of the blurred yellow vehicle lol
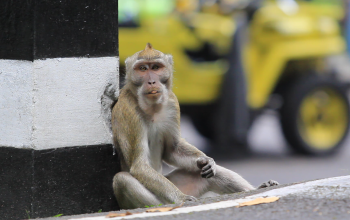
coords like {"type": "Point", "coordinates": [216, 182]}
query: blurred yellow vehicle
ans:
{"type": "Point", "coordinates": [235, 58]}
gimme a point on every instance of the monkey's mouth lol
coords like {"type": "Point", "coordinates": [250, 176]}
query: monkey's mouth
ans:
{"type": "Point", "coordinates": [153, 92]}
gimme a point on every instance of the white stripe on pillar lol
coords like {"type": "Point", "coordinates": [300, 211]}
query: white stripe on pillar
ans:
{"type": "Point", "coordinates": [55, 102]}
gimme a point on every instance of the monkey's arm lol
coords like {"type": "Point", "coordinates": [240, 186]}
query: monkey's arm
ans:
{"type": "Point", "coordinates": [181, 154]}
{"type": "Point", "coordinates": [186, 156]}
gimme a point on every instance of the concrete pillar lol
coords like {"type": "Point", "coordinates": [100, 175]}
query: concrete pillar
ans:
{"type": "Point", "coordinates": [58, 74]}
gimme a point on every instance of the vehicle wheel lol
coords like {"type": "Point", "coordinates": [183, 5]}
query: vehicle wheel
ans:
{"type": "Point", "coordinates": [315, 115]}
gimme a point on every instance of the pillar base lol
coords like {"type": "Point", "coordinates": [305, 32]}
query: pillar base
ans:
{"type": "Point", "coordinates": [68, 181]}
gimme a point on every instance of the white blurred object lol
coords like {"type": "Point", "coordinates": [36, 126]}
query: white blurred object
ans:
{"type": "Point", "coordinates": [189, 132]}
{"type": "Point", "coordinates": [265, 135]}
{"type": "Point", "coordinates": [341, 65]}
{"type": "Point", "coordinates": [290, 7]}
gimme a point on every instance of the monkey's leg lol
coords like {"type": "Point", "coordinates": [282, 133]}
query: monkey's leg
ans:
{"type": "Point", "coordinates": [226, 181]}
{"type": "Point", "coordinates": [189, 183]}
{"type": "Point", "coordinates": [130, 193]}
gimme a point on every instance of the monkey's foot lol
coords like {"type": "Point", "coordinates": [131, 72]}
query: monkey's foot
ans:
{"type": "Point", "coordinates": [190, 199]}
{"type": "Point", "coordinates": [268, 184]}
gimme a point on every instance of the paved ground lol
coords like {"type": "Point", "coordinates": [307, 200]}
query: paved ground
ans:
{"type": "Point", "coordinates": [321, 199]}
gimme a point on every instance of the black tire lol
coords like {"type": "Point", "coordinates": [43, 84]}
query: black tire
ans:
{"type": "Point", "coordinates": [297, 130]}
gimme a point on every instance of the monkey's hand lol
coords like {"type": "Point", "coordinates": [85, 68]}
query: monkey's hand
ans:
{"type": "Point", "coordinates": [207, 166]}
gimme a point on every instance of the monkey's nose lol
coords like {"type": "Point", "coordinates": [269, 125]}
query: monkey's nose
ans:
{"type": "Point", "coordinates": [151, 82]}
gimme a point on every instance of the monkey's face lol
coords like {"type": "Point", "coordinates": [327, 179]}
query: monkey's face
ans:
{"type": "Point", "coordinates": [152, 78]}
{"type": "Point", "coordinates": [151, 72]}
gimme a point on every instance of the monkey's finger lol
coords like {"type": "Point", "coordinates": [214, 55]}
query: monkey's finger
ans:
{"type": "Point", "coordinates": [206, 167]}
{"type": "Point", "coordinates": [210, 175]}
{"type": "Point", "coordinates": [207, 175]}
{"type": "Point", "coordinates": [207, 172]}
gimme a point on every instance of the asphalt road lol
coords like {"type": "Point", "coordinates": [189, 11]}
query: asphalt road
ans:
{"type": "Point", "coordinates": [272, 157]}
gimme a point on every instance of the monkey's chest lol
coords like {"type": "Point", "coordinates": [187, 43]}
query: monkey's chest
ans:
{"type": "Point", "coordinates": [157, 136]}
{"type": "Point", "coordinates": [156, 148]}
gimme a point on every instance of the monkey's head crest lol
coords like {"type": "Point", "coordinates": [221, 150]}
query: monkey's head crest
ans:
{"type": "Point", "coordinates": [149, 53]}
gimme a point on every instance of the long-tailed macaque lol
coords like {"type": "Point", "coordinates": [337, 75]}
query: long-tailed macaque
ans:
{"type": "Point", "coordinates": [146, 131]}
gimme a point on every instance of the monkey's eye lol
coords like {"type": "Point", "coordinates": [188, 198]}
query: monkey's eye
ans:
{"type": "Point", "coordinates": [143, 68]}
{"type": "Point", "coordinates": [155, 67]}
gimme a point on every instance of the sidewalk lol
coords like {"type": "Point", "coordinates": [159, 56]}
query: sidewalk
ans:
{"type": "Point", "coordinates": [319, 199]}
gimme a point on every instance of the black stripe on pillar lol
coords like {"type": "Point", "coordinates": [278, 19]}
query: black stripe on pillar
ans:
{"type": "Point", "coordinates": [44, 183]}
{"type": "Point", "coordinates": [16, 29]}
{"type": "Point", "coordinates": [70, 28]}
{"type": "Point", "coordinates": [37, 29]}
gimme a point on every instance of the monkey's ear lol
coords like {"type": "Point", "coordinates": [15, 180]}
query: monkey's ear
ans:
{"type": "Point", "coordinates": [169, 59]}
{"type": "Point", "coordinates": [127, 63]}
